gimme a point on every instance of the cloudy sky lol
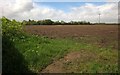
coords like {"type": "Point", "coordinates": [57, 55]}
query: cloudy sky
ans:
{"type": "Point", "coordinates": [66, 10]}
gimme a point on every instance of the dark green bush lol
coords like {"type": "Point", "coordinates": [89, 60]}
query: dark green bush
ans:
{"type": "Point", "coordinates": [13, 60]}
{"type": "Point", "coordinates": [10, 27]}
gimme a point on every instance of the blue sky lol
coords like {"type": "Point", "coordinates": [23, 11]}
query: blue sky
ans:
{"type": "Point", "coordinates": [66, 6]}
{"type": "Point", "coordinates": [66, 10]}
{"type": "Point", "coordinates": [76, 0]}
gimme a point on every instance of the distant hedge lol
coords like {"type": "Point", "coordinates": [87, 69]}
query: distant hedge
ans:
{"type": "Point", "coordinates": [50, 22]}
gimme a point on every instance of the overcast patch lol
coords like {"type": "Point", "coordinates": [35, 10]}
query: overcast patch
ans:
{"type": "Point", "coordinates": [24, 10]}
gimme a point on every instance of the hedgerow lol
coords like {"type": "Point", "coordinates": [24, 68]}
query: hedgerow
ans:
{"type": "Point", "coordinates": [10, 27]}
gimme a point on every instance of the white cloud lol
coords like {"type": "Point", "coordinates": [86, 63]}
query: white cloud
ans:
{"type": "Point", "coordinates": [26, 9]}
{"type": "Point", "coordinates": [112, 0]}
{"type": "Point", "coordinates": [76, 0]}
{"type": "Point", "coordinates": [89, 12]}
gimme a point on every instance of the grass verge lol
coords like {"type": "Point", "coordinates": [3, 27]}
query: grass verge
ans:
{"type": "Point", "coordinates": [39, 52]}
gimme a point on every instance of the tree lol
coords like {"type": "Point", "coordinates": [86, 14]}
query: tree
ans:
{"type": "Point", "coordinates": [48, 22]}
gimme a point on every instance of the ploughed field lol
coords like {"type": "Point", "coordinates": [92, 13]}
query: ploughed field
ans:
{"type": "Point", "coordinates": [95, 47]}
{"type": "Point", "coordinates": [98, 34]}
{"type": "Point", "coordinates": [59, 31]}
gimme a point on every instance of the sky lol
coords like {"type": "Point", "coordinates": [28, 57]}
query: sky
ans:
{"type": "Point", "coordinates": [67, 10]}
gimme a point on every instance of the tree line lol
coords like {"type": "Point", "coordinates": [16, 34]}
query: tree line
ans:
{"type": "Point", "coordinates": [50, 22]}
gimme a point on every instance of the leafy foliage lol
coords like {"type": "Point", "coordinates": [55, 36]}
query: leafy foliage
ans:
{"type": "Point", "coordinates": [10, 27]}
{"type": "Point", "coordinates": [13, 61]}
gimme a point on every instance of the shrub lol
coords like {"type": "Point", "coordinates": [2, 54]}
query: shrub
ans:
{"type": "Point", "coordinates": [10, 27]}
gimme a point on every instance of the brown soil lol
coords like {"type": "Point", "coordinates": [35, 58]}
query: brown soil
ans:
{"type": "Point", "coordinates": [59, 65]}
{"type": "Point", "coordinates": [107, 34]}
{"type": "Point", "coordinates": [73, 31]}
{"type": "Point", "coordinates": [104, 34]}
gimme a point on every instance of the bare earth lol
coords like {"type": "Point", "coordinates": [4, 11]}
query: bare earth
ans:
{"type": "Point", "coordinates": [107, 33]}
{"type": "Point", "coordinates": [59, 66]}
{"type": "Point", "coordinates": [73, 31]}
